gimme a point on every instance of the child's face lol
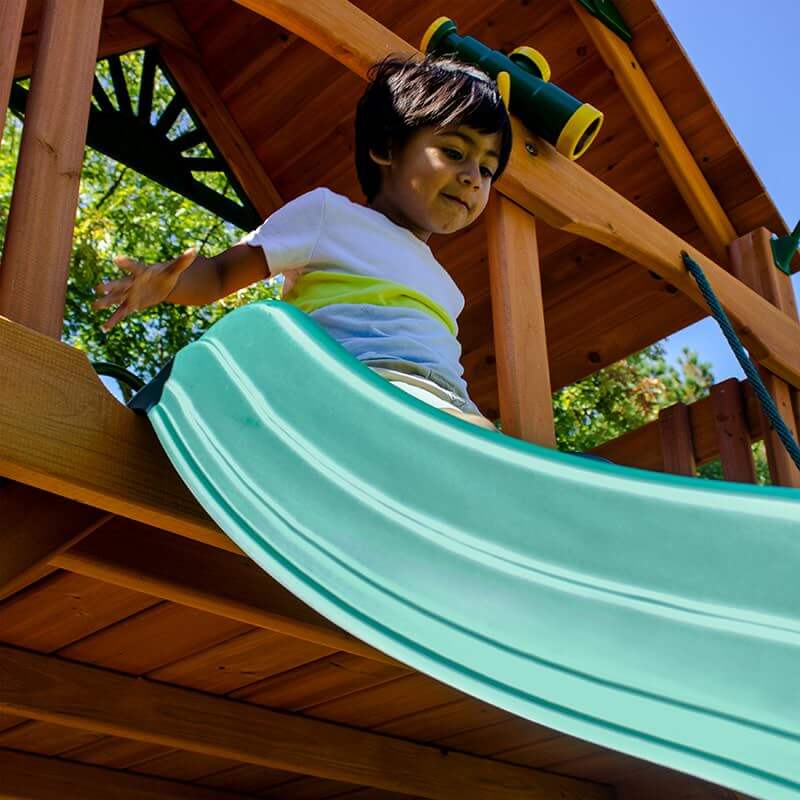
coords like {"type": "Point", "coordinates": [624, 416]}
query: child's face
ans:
{"type": "Point", "coordinates": [439, 182]}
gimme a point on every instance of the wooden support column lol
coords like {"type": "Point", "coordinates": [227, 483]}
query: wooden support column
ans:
{"type": "Point", "coordinates": [752, 263]}
{"type": "Point", "coordinates": [33, 276]}
{"type": "Point", "coordinates": [677, 445]}
{"type": "Point", "coordinates": [523, 372]}
{"type": "Point", "coordinates": [12, 13]}
{"type": "Point", "coordinates": [733, 435]}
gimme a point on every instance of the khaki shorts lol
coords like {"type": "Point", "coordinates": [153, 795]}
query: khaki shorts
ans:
{"type": "Point", "coordinates": [427, 390]}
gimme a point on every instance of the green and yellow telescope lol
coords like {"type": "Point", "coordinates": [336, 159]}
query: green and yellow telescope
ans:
{"type": "Point", "coordinates": [523, 81]}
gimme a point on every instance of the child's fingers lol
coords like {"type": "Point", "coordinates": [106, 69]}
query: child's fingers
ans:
{"type": "Point", "coordinates": [110, 299]}
{"type": "Point", "coordinates": [129, 265]}
{"type": "Point", "coordinates": [116, 317]}
{"type": "Point", "coordinates": [107, 287]}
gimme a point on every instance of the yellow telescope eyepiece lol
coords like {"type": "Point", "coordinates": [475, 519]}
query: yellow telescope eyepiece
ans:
{"type": "Point", "coordinates": [523, 80]}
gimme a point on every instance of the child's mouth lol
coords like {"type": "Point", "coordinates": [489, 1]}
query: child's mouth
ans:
{"type": "Point", "coordinates": [456, 200]}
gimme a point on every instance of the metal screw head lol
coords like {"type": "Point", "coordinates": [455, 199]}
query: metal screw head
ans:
{"type": "Point", "coordinates": [531, 147]}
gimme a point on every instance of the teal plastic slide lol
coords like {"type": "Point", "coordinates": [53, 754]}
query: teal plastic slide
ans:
{"type": "Point", "coordinates": [653, 614]}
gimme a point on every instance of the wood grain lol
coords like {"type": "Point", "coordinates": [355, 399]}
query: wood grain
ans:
{"type": "Point", "coordinates": [12, 14]}
{"type": "Point", "coordinates": [62, 431]}
{"type": "Point", "coordinates": [33, 276]}
{"type": "Point", "coordinates": [102, 702]}
{"type": "Point", "coordinates": [147, 560]}
{"type": "Point", "coordinates": [523, 374]}
{"type": "Point", "coordinates": [667, 141]}
{"type": "Point", "coordinates": [28, 776]}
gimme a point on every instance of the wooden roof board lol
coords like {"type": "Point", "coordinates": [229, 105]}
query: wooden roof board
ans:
{"type": "Point", "coordinates": [81, 619]}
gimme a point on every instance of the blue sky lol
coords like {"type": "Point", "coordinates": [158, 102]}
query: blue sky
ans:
{"type": "Point", "coordinates": [745, 54]}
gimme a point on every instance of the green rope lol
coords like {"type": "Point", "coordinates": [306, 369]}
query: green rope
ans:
{"type": "Point", "coordinates": [767, 403]}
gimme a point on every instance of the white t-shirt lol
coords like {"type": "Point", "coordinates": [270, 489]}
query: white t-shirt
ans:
{"type": "Point", "coordinates": [324, 231]}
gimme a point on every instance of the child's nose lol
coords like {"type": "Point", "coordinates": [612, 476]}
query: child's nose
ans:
{"type": "Point", "coordinates": [470, 175]}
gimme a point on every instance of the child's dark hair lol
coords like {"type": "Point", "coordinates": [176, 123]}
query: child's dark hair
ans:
{"type": "Point", "coordinates": [405, 94]}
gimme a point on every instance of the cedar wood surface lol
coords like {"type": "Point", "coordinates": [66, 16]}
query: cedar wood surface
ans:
{"type": "Point", "coordinates": [287, 99]}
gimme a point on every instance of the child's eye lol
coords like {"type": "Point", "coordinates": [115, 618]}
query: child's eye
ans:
{"type": "Point", "coordinates": [451, 153]}
{"type": "Point", "coordinates": [487, 173]}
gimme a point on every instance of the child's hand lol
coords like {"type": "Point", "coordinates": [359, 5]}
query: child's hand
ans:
{"type": "Point", "coordinates": [145, 286]}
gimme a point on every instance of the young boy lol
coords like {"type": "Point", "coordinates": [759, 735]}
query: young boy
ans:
{"type": "Point", "coordinates": [432, 136]}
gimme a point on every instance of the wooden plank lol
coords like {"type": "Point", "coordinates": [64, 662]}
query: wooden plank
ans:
{"type": "Point", "coordinates": [63, 609]}
{"type": "Point", "coordinates": [162, 21]}
{"type": "Point", "coordinates": [753, 264]}
{"type": "Point", "coordinates": [523, 374]}
{"type": "Point", "coordinates": [147, 560]}
{"type": "Point", "coordinates": [45, 738]}
{"type": "Point", "coordinates": [62, 431]}
{"type": "Point", "coordinates": [37, 526]}
{"type": "Point", "coordinates": [559, 191]}
{"type": "Point", "coordinates": [161, 634]}
{"type": "Point", "coordinates": [676, 440]}
{"type": "Point", "coordinates": [319, 681]}
{"type": "Point", "coordinates": [239, 662]}
{"type": "Point", "coordinates": [667, 140]}
{"type": "Point", "coordinates": [28, 776]}
{"type": "Point", "coordinates": [91, 699]}
{"type": "Point", "coordinates": [12, 13]}
{"type": "Point", "coordinates": [117, 35]}
{"type": "Point", "coordinates": [225, 133]}
{"type": "Point", "coordinates": [33, 276]}
{"type": "Point", "coordinates": [733, 435]}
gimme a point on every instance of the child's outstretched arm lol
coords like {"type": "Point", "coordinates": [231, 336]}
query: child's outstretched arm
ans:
{"type": "Point", "coordinates": [189, 279]}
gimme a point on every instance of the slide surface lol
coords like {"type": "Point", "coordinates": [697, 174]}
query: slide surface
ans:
{"type": "Point", "coordinates": [653, 614]}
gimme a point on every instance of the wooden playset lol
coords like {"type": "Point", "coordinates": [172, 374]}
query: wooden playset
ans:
{"type": "Point", "coordinates": [142, 654]}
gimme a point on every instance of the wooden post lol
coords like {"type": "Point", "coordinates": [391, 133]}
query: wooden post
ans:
{"type": "Point", "coordinates": [523, 373]}
{"type": "Point", "coordinates": [12, 13]}
{"type": "Point", "coordinates": [752, 263]}
{"type": "Point", "coordinates": [733, 435]}
{"type": "Point", "coordinates": [677, 445]}
{"type": "Point", "coordinates": [33, 277]}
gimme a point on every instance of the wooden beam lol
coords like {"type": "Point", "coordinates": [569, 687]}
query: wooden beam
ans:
{"type": "Point", "coordinates": [163, 22]}
{"type": "Point", "coordinates": [147, 560]}
{"type": "Point", "coordinates": [753, 264]}
{"type": "Point", "coordinates": [33, 276]}
{"type": "Point", "coordinates": [65, 693]}
{"type": "Point", "coordinates": [225, 133]}
{"type": "Point", "coordinates": [117, 35]}
{"type": "Point", "coordinates": [677, 447]}
{"type": "Point", "coordinates": [523, 373]}
{"type": "Point", "coordinates": [12, 13]}
{"type": "Point", "coordinates": [62, 431]}
{"type": "Point", "coordinates": [36, 527]}
{"type": "Point", "coordinates": [28, 776]}
{"type": "Point", "coordinates": [733, 435]}
{"type": "Point", "coordinates": [559, 191]}
{"type": "Point", "coordinates": [662, 132]}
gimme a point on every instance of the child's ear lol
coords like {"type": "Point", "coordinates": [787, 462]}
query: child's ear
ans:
{"type": "Point", "coordinates": [383, 160]}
